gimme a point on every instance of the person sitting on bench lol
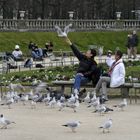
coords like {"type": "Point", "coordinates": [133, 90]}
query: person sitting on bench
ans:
{"type": "Point", "coordinates": [115, 77]}
{"type": "Point", "coordinates": [87, 66]}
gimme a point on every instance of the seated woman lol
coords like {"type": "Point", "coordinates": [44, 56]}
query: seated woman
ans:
{"type": "Point", "coordinates": [37, 53]}
{"type": "Point", "coordinates": [87, 70]}
{"type": "Point", "coordinates": [17, 53]}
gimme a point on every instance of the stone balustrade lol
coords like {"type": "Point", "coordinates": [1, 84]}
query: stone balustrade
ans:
{"type": "Point", "coordinates": [78, 25]}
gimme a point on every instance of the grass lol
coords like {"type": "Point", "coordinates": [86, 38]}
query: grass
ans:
{"type": "Point", "coordinates": [110, 40]}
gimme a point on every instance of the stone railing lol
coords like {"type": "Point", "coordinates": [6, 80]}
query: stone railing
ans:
{"type": "Point", "coordinates": [78, 25]}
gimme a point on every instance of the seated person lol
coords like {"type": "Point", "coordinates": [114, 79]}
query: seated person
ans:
{"type": "Point", "coordinates": [87, 67]}
{"type": "Point", "coordinates": [31, 45]}
{"type": "Point", "coordinates": [17, 53]}
{"type": "Point", "coordinates": [37, 53]}
{"type": "Point", "coordinates": [50, 47]}
{"type": "Point", "coordinates": [116, 74]}
{"type": "Point", "coordinates": [45, 50]}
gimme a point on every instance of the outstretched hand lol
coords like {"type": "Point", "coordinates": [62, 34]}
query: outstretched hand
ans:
{"type": "Point", "coordinates": [68, 41]}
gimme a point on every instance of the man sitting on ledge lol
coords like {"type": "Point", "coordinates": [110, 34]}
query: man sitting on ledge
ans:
{"type": "Point", "coordinates": [115, 76]}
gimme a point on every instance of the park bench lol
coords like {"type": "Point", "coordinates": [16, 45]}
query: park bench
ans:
{"type": "Point", "coordinates": [124, 88]}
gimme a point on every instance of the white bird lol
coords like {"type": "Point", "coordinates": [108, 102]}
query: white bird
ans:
{"type": "Point", "coordinates": [24, 98]}
{"type": "Point", "coordinates": [107, 125]}
{"type": "Point", "coordinates": [72, 125]}
{"type": "Point", "coordinates": [8, 102]}
{"type": "Point", "coordinates": [33, 104]}
{"type": "Point", "coordinates": [95, 103]}
{"type": "Point", "coordinates": [52, 103]}
{"type": "Point", "coordinates": [5, 122]}
{"type": "Point", "coordinates": [87, 98]}
{"type": "Point", "coordinates": [47, 99]}
{"type": "Point", "coordinates": [66, 30]}
{"type": "Point", "coordinates": [72, 99]}
{"type": "Point", "coordinates": [122, 104]}
{"type": "Point", "coordinates": [93, 99]}
{"type": "Point", "coordinates": [74, 106]}
{"type": "Point", "coordinates": [61, 105]}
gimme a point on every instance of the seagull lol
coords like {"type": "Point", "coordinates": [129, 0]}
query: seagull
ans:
{"type": "Point", "coordinates": [47, 99]}
{"type": "Point", "coordinates": [72, 125]}
{"type": "Point", "coordinates": [5, 122]}
{"type": "Point", "coordinates": [61, 105]}
{"type": "Point", "coordinates": [9, 102]}
{"type": "Point", "coordinates": [73, 105]}
{"type": "Point", "coordinates": [33, 104]}
{"type": "Point", "coordinates": [66, 30]}
{"type": "Point", "coordinates": [87, 98]}
{"type": "Point", "coordinates": [52, 103]}
{"type": "Point", "coordinates": [107, 125]}
{"type": "Point", "coordinates": [122, 104]}
{"type": "Point", "coordinates": [24, 98]}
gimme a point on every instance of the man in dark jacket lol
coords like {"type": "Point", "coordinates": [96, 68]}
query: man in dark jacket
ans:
{"type": "Point", "coordinates": [87, 67]}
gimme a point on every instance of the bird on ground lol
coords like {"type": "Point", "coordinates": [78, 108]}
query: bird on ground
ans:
{"type": "Point", "coordinates": [72, 125]}
{"type": "Point", "coordinates": [8, 102]}
{"type": "Point", "coordinates": [5, 122]}
{"type": "Point", "coordinates": [106, 125]}
{"type": "Point", "coordinates": [61, 105]}
{"type": "Point", "coordinates": [74, 106]}
{"type": "Point", "coordinates": [87, 98]}
{"type": "Point", "coordinates": [65, 32]}
{"type": "Point", "coordinates": [122, 105]}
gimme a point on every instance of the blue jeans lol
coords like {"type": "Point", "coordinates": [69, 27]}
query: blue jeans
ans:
{"type": "Point", "coordinates": [80, 80]}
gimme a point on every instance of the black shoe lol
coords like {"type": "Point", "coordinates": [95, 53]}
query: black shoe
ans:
{"type": "Point", "coordinates": [103, 100]}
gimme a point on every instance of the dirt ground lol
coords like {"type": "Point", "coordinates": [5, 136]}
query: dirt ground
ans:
{"type": "Point", "coordinates": [44, 123]}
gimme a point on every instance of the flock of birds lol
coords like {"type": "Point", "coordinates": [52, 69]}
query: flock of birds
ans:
{"type": "Point", "coordinates": [53, 99]}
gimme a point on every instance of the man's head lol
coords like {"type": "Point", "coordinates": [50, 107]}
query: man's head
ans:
{"type": "Point", "coordinates": [118, 55]}
{"type": "Point", "coordinates": [91, 53]}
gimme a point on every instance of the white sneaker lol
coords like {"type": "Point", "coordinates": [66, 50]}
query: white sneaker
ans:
{"type": "Point", "coordinates": [76, 91]}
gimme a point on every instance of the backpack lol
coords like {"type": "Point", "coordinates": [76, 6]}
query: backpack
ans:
{"type": "Point", "coordinates": [96, 75]}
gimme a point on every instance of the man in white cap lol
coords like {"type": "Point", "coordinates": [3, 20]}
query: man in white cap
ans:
{"type": "Point", "coordinates": [17, 53]}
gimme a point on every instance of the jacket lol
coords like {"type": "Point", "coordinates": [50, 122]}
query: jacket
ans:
{"type": "Point", "coordinates": [87, 66]}
{"type": "Point", "coordinates": [118, 72]}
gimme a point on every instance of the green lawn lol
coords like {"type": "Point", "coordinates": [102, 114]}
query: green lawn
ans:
{"type": "Point", "coordinates": [110, 40]}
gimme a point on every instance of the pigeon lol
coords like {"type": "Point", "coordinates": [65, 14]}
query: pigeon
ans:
{"type": "Point", "coordinates": [72, 125]}
{"type": "Point", "coordinates": [122, 104]}
{"type": "Point", "coordinates": [107, 125]}
{"type": "Point", "coordinates": [66, 30]}
{"type": "Point", "coordinates": [5, 122]}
